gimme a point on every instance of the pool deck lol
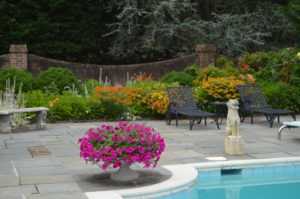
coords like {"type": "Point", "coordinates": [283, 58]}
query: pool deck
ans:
{"type": "Point", "coordinates": [45, 164]}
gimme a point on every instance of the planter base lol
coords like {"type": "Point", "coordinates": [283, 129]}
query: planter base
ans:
{"type": "Point", "coordinates": [124, 174]}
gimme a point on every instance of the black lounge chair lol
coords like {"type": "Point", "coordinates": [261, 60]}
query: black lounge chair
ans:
{"type": "Point", "coordinates": [182, 103]}
{"type": "Point", "coordinates": [253, 101]}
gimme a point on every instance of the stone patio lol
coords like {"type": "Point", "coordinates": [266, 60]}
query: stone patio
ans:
{"type": "Point", "coordinates": [45, 164]}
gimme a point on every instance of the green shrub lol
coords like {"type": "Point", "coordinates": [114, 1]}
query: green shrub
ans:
{"type": "Point", "coordinates": [24, 77]}
{"type": "Point", "coordinates": [182, 78]}
{"type": "Point", "coordinates": [113, 111]}
{"type": "Point", "coordinates": [192, 70]}
{"type": "Point", "coordinates": [70, 106]}
{"type": "Point", "coordinates": [54, 80]}
{"type": "Point", "coordinates": [214, 72]}
{"type": "Point", "coordinates": [37, 98]}
{"type": "Point", "coordinates": [90, 85]}
{"type": "Point", "coordinates": [282, 95]}
{"type": "Point", "coordinates": [281, 66]}
{"type": "Point", "coordinates": [255, 60]}
{"type": "Point", "coordinates": [223, 62]}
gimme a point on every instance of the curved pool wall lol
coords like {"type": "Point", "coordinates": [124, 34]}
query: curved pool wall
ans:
{"type": "Point", "coordinates": [184, 177]}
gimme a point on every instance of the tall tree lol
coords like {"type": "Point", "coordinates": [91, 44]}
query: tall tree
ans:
{"type": "Point", "coordinates": [153, 28]}
{"type": "Point", "coordinates": [292, 13]}
{"type": "Point", "coordinates": [64, 29]}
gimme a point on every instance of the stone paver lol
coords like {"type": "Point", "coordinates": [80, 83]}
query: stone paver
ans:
{"type": "Point", "coordinates": [75, 163]}
{"type": "Point", "coordinates": [9, 180]}
{"type": "Point", "coordinates": [17, 191]}
{"type": "Point", "coordinates": [64, 175]}
{"type": "Point", "coordinates": [6, 167]}
{"type": "Point", "coordinates": [2, 144]}
{"type": "Point", "coordinates": [14, 154]}
{"type": "Point", "coordinates": [43, 179]}
{"type": "Point", "coordinates": [58, 187]}
{"type": "Point", "coordinates": [36, 162]}
{"type": "Point", "coordinates": [43, 170]}
{"type": "Point", "coordinates": [66, 195]}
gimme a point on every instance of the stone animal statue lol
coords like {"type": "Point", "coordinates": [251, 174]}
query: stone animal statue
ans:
{"type": "Point", "coordinates": [233, 119]}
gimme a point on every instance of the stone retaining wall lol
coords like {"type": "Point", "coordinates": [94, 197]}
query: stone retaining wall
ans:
{"type": "Point", "coordinates": [117, 74]}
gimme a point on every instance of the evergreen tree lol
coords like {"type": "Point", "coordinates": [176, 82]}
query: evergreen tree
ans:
{"type": "Point", "coordinates": [63, 29]}
{"type": "Point", "coordinates": [292, 13]}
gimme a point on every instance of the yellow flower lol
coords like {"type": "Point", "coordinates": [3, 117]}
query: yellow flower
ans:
{"type": "Point", "coordinates": [298, 54]}
{"type": "Point", "coordinates": [51, 104]}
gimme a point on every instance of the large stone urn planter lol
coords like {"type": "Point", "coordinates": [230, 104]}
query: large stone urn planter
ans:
{"type": "Point", "coordinates": [120, 146]}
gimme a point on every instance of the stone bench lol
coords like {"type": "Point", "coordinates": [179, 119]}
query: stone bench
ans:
{"type": "Point", "coordinates": [7, 115]}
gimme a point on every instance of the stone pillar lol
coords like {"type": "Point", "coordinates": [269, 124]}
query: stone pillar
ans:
{"type": "Point", "coordinates": [206, 55]}
{"type": "Point", "coordinates": [18, 56]}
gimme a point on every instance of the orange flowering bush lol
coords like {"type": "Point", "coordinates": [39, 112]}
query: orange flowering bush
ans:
{"type": "Point", "coordinates": [51, 104]}
{"type": "Point", "coordinates": [218, 89]}
{"type": "Point", "coordinates": [115, 94]}
{"type": "Point", "coordinates": [143, 97]}
{"type": "Point", "coordinates": [246, 75]}
{"type": "Point", "coordinates": [147, 98]}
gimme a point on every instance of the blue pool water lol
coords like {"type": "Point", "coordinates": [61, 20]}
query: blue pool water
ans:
{"type": "Point", "coordinates": [251, 183]}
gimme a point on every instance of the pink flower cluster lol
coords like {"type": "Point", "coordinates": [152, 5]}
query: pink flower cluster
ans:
{"type": "Point", "coordinates": [125, 143]}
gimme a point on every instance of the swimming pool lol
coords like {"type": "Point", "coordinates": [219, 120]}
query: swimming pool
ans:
{"type": "Point", "coordinates": [275, 180]}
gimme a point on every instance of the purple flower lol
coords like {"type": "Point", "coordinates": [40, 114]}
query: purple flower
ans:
{"type": "Point", "coordinates": [129, 149]}
{"type": "Point", "coordinates": [144, 145]}
{"type": "Point", "coordinates": [130, 140]}
{"type": "Point", "coordinates": [119, 151]}
{"type": "Point", "coordinates": [147, 164]}
{"type": "Point", "coordinates": [104, 166]}
{"type": "Point", "coordinates": [141, 150]}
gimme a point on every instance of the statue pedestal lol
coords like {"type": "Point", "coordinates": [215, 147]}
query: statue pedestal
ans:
{"type": "Point", "coordinates": [234, 145]}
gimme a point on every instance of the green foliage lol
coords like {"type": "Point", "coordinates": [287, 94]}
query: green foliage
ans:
{"type": "Point", "coordinates": [215, 72]}
{"type": "Point", "coordinates": [64, 29]}
{"type": "Point", "coordinates": [211, 72]}
{"type": "Point", "coordinates": [192, 70]}
{"type": "Point", "coordinates": [231, 36]}
{"type": "Point", "coordinates": [182, 78]}
{"type": "Point", "coordinates": [227, 65]}
{"type": "Point", "coordinates": [245, 25]}
{"type": "Point", "coordinates": [90, 85]}
{"type": "Point", "coordinates": [208, 8]}
{"type": "Point", "coordinates": [70, 106]}
{"type": "Point", "coordinates": [254, 60]}
{"type": "Point", "coordinates": [112, 111]}
{"type": "Point", "coordinates": [37, 98]}
{"type": "Point", "coordinates": [223, 62]}
{"type": "Point", "coordinates": [101, 31]}
{"type": "Point", "coordinates": [281, 66]}
{"type": "Point", "coordinates": [10, 100]}
{"type": "Point", "coordinates": [153, 27]}
{"type": "Point", "coordinates": [281, 95]}
{"type": "Point", "coordinates": [22, 77]}
{"type": "Point", "coordinates": [292, 13]}
{"type": "Point", "coordinates": [54, 80]}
